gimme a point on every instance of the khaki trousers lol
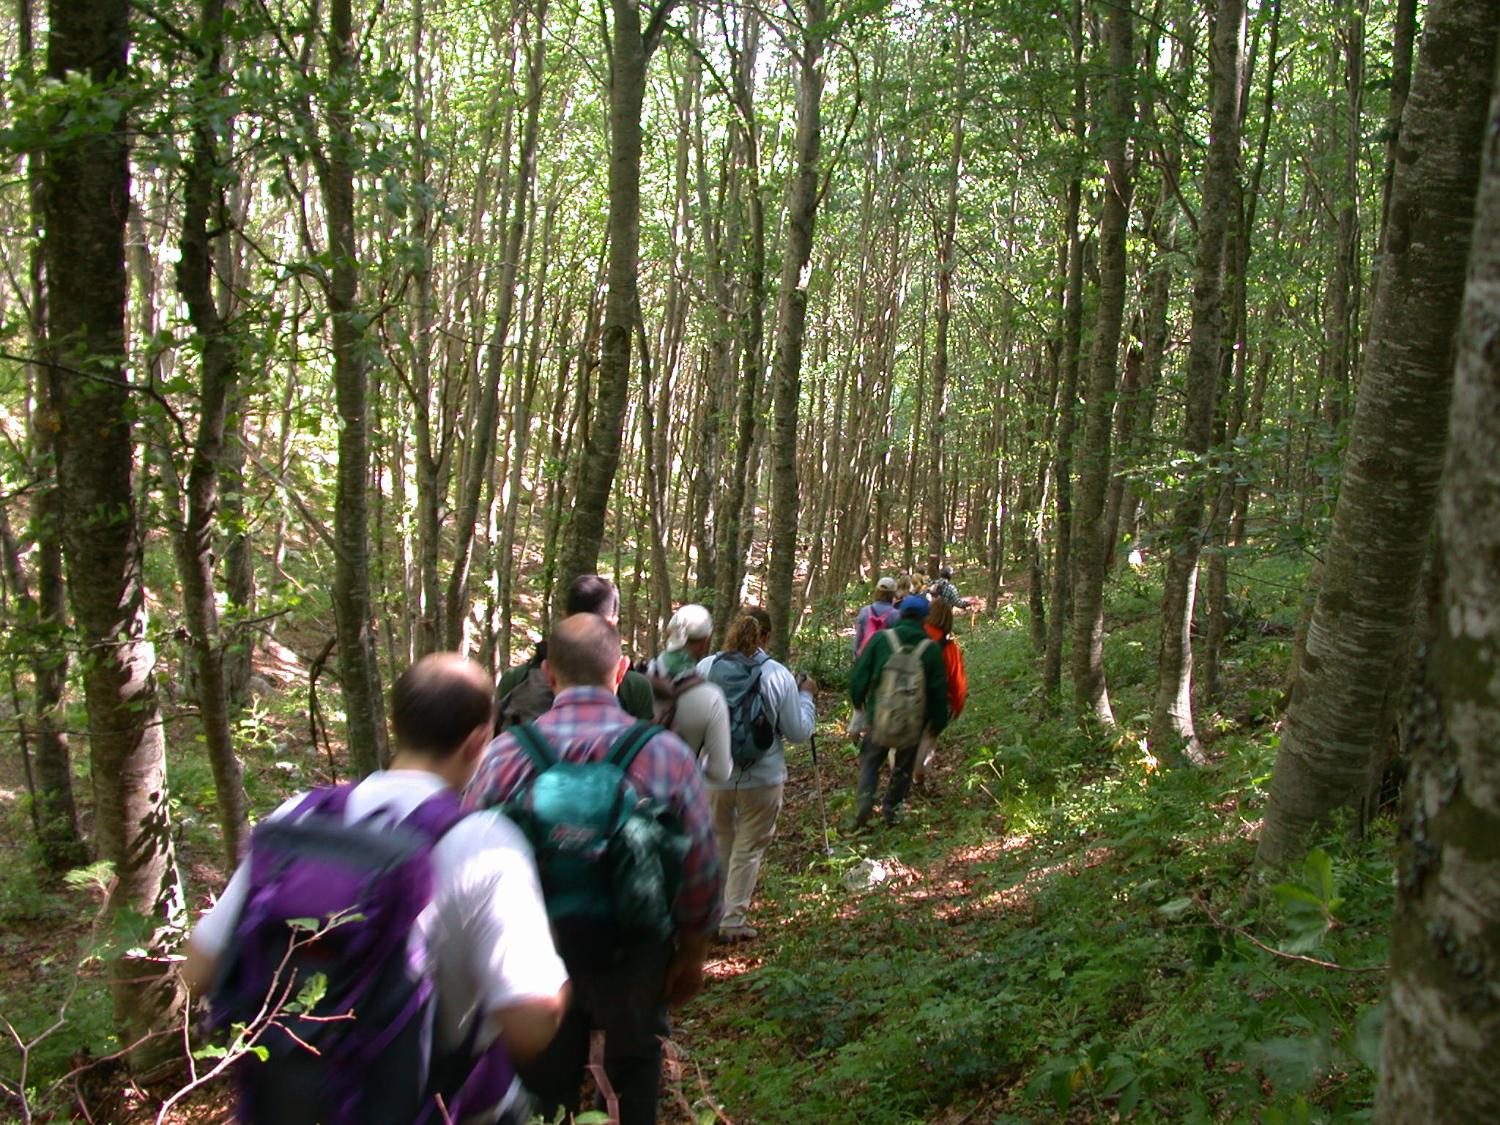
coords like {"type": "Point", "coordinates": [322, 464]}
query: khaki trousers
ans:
{"type": "Point", "coordinates": [745, 823]}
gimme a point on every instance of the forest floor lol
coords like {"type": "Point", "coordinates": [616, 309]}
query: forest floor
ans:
{"type": "Point", "coordinates": [1058, 931]}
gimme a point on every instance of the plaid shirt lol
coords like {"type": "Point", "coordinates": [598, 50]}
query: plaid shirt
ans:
{"type": "Point", "coordinates": [583, 723]}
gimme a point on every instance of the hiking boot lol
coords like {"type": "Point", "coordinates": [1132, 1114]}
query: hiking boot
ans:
{"type": "Point", "coordinates": [889, 816]}
{"type": "Point", "coordinates": [732, 935]}
{"type": "Point", "coordinates": [862, 816]}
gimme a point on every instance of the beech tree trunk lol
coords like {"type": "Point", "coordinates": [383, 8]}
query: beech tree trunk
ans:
{"type": "Point", "coordinates": [629, 54]}
{"type": "Point", "coordinates": [1172, 730]}
{"type": "Point", "coordinates": [85, 204]}
{"type": "Point", "coordinates": [358, 671]}
{"type": "Point", "coordinates": [1067, 408]}
{"type": "Point", "coordinates": [1341, 695]}
{"type": "Point", "coordinates": [944, 229]}
{"type": "Point", "coordinates": [1442, 1036]}
{"type": "Point", "coordinates": [61, 843]}
{"type": "Point", "coordinates": [1090, 692]}
{"type": "Point", "coordinates": [202, 206]}
{"type": "Point", "coordinates": [796, 265]}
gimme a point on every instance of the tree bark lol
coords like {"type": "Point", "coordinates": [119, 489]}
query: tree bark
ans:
{"type": "Point", "coordinates": [1341, 697]}
{"type": "Point", "coordinates": [61, 842]}
{"type": "Point", "coordinates": [1172, 731]}
{"type": "Point", "coordinates": [945, 228]}
{"type": "Point", "coordinates": [85, 204]}
{"type": "Point", "coordinates": [1090, 692]}
{"type": "Point", "coordinates": [202, 205]}
{"type": "Point", "coordinates": [629, 54]}
{"type": "Point", "coordinates": [358, 671]}
{"type": "Point", "coordinates": [1442, 1036]}
{"type": "Point", "coordinates": [796, 266]}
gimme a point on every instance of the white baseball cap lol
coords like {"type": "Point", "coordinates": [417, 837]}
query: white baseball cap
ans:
{"type": "Point", "coordinates": [886, 583]}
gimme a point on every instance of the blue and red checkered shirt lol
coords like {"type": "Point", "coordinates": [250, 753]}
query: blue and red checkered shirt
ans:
{"type": "Point", "coordinates": [583, 723]}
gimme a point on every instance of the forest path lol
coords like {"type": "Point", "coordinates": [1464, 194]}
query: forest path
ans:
{"type": "Point", "coordinates": [928, 892]}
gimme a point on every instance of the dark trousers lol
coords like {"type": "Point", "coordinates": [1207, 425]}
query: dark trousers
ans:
{"type": "Point", "coordinates": [871, 761]}
{"type": "Point", "coordinates": [625, 1002]}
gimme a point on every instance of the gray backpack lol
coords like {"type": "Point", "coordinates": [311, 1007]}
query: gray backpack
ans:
{"type": "Point", "coordinates": [901, 696]}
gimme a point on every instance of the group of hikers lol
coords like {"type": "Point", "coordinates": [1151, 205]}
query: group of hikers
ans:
{"type": "Point", "coordinates": [543, 865]}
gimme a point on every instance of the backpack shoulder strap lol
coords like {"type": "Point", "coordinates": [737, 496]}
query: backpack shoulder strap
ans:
{"type": "Point", "coordinates": [326, 800]}
{"type": "Point", "coordinates": [534, 746]}
{"type": "Point", "coordinates": [896, 645]}
{"type": "Point", "coordinates": [925, 644]}
{"type": "Point", "coordinates": [436, 814]}
{"type": "Point", "coordinates": [631, 742]}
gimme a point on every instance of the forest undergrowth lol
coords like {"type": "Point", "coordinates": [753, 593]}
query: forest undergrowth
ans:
{"type": "Point", "coordinates": [1059, 930]}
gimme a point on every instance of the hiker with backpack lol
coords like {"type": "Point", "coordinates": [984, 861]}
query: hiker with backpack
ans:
{"type": "Point", "coordinates": [943, 589]}
{"type": "Point", "coordinates": [617, 813]}
{"type": "Point", "coordinates": [900, 681]}
{"type": "Point", "coordinates": [875, 616]}
{"type": "Point", "coordinates": [872, 618]}
{"type": "Point", "coordinates": [939, 626]}
{"type": "Point", "coordinates": [427, 925]}
{"type": "Point", "coordinates": [767, 705]}
{"type": "Point", "coordinates": [687, 704]}
{"type": "Point", "coordinates": [523, 693]}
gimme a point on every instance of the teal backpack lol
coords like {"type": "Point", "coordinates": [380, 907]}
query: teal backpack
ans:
{"type": "Point", "coordinates": [610, 858]}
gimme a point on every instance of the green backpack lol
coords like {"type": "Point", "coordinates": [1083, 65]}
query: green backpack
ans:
{"type": "Point", "coordinates": [610, 859]}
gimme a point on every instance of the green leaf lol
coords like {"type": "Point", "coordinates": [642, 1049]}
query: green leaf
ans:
{"type": "Point", "coordinates": [1176, 908]}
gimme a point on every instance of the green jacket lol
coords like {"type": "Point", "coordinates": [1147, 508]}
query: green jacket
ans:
{"type": "Point", "coordinates": [866, 675]}
{"type": "Point", "coordinates": [635, 693]}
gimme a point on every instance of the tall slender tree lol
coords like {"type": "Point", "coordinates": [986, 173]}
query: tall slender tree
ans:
{"type": "Point", "coordinates": [791, 322]}
{"type": "Point", "coordinates": [1341, 698]}
{"type": "Point", "coordinates": [1172, 729]}
{"type": "Point", "coordinates": [634, 33]}
{"type": "Point", "coordinates": [1091, 694]}
{"type": "Point", "coordinates": [84, 203]}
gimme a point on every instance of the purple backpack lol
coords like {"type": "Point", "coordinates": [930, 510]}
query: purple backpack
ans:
{"type": "Point", "coordinates": [340, 901]}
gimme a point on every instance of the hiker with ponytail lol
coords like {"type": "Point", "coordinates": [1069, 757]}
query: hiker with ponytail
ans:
{"type": "Point", "coordinates": [766, 706]}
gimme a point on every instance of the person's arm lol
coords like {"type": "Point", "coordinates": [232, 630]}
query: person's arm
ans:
{"type": "Point", "coordinates": [670, 773]}
{"type": "Point", "coordinates": [529, 1025]}
{"type": "Point", "coordinates": [863, 673]}
{"type": "Point", "coordinates": [715, 758]}
{"type": "Point", "coordinates": [199, 968]}
{"type": "Point", "coordinates": [937, 688]}
{"type": "Point", "coordinates": [796, 710]}
{"type": "Point", "coordinates": [495, 903]}
{"type": "Point", "coordinates": [958, 680]}
{"type": "Point", "coordinates": [684, 978]}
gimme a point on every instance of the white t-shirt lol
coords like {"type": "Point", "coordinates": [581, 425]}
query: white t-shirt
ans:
{"type": "Point", "coordinates": [486, 925]}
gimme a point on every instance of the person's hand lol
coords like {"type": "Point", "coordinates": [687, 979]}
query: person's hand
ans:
{"type": "Point", "coordinates": [807, 685]}
{"type": "Point", "coordinates": [684, 978]}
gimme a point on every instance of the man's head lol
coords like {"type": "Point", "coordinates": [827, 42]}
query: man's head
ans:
{"type": "Point", "coordinates": [914, 607]}
{"type": "Point", "coordinates": [442, 710]}
{"type": "Point", "coordinates": [691, 629]}
{"type": "Point", "coordinates": [584, 651]}
{"type": "Point", "coordinates": [945, 572]}
{"type": "Point", "coordinates": [589, 593]}
{"type": "Point", "coordinates": [885, 589]}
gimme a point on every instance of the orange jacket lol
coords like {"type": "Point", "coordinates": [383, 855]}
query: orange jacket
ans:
{"type": "Point", "coordinates": [953, 661]}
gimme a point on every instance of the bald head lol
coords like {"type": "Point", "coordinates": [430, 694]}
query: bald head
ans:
{"type": "Point", "coordinates": [438, 702]}
{"type": "Point", "coordinates": [584, 651]}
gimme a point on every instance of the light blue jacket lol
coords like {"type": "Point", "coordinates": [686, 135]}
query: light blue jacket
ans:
{"type": "Point", "coordinates": [795, 720]}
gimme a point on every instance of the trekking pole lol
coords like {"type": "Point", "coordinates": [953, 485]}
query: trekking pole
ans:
{"type": "Point", "coordinates": [818, 781]}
